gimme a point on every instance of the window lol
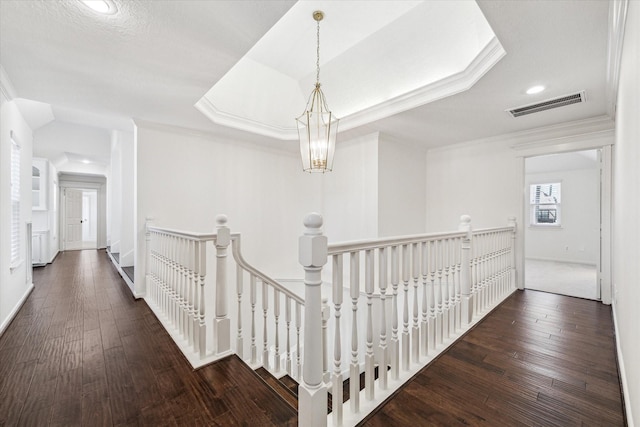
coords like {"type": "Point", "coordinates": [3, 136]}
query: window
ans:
{"type": "Point", "coordinates": [545, 204]}
{"type": "Point", "coordinates": [15, 202]}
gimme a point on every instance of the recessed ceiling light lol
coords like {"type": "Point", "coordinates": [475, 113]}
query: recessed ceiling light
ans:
{"type": "Point", "coordinates": [535, 89]}
{"type": "Point", "coordinates": [105, 7]}
{"type": "Point", "coordinates": [86, 161]}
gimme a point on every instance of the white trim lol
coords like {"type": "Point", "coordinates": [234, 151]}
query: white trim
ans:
{"type": "Point", "coordinates": [490, 55]}
{"type": "Point", "coordinates": [15, 310]}
{"type": "Point", "coordinates": [126, 279]}
{"type": "Point", "coordinates": [617, 21]}
{"type": "Point", "coordinates": [597, 127]}
{"type": "Point", "coordinates": [623, 372]}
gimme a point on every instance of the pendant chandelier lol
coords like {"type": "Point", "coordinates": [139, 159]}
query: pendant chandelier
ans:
{"type": "Point", "coordinates": [317, 126]}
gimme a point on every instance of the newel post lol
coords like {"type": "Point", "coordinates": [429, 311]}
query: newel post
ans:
{"type": "Point", "coordinates": [147, 246]}
{"type": "Point", "coordinates": [222, 323]}
{"type": "Point", "coordinates": [465, 271]}
{"type": "Point", "coordinates": [511, 221]}
{"type": "Point", "coordinates": [312, 254]}
{"type": "Point", "coordinates": [147, 255]}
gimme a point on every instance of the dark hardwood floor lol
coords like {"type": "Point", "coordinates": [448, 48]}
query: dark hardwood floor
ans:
{"type": "Point", "coordinates": [82, 351]}
{"type": "Point", "coordinates": [538, 360]}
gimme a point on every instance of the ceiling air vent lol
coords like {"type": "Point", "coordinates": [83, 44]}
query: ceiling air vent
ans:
{"type": "Point", "coordinates": [561, 101]}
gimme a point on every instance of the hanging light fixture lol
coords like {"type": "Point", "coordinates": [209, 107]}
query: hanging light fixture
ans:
{"type": "Point", "coordinates": [317, 126]}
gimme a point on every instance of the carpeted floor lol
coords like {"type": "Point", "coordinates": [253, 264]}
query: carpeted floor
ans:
{"type": "Point", "coordinates": [576, 280]}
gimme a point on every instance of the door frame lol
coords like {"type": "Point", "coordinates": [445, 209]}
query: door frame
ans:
{"type": "Point", "coordinates": [597, 140]}
{"type": "Point", "coordinates": [101, 208]}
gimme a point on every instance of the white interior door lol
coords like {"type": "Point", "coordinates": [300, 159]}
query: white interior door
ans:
{"type": "Point", "coordinates": [89, 219]}
{"type": "Point", "coordinates": [73, 219]}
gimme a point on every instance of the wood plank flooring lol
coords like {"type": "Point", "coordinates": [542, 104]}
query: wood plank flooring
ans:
{"type": "Point", "coordinates": [82, 351]}
{"type": "Point", "coordinates": [538, 360]}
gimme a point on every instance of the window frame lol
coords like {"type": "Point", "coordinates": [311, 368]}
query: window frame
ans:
{"type": "Point", "coordinates": [16, 206]}
{"type": "Point", "coordinates": [535, 205]}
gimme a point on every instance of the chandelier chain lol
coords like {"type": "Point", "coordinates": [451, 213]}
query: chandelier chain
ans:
{"type": "Point", "coordinates": [318, 53]}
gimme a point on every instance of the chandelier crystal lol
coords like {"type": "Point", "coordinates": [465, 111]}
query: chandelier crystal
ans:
{"type": "Point", "coordinates": [317, 126]}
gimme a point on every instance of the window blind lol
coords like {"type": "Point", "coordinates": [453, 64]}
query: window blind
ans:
{"type": "Point", "coordinates": [15, 201]}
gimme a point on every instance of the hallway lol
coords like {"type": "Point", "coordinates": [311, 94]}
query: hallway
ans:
{"type": "Point", "coordinates": [82, 351]}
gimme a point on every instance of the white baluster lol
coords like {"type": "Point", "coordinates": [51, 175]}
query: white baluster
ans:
{"type": "Point", "coordinates": [512, 254]}
{"type": "Point", "coordinates": [384, 350]}
{"type": "Point", "coordinates": [458, 261]}
{"type": "Point", "coordinates": [276, 314]}
{"type": "Point", "coordinates": [354, 369]}
{"type": "Point", "coordinates": [336, 395]}
{"type": "Point", "coordinates": [287, 319]}
{"type": "Point", "coordinates": [312, 400]}
{"type": "Point", "coordinates": [465, 272]}
{"type": "Point", "coordinates": [182, 285]}
{"type": "Point", "coordinates": [265, 335]}
{"type": "Point", "coordinates": [424, 326]}
{"type": "Point", "coordinates": [394, 350]}
{"type": "Point", "coordinates": [298, 355]}
{"type": "Point", "coordinates": [369, 362]}
{"type": "Point", "coordinates": [239, 290]}
{"type": "Point", "coordinates": [326, 313]}
{"type": "Point", "coordinates": [202, 271]}
{"type": "Point", "coordinates": [433, 311]}
{"type": "Point", "coordinates": [222, 323]}
{"type": "Point", "coordinates": [405, 308]}
{"type": "Point", "coordinates": [439, 296]}
{"type": "Point", "coordinates": [254, 347]}
{"type": "Point", "coordinates": [415, 332]}
{"type": "Point", "coordinates": [452, 287]}
{"type": "Point", "coordinates": [194, 297]}
{"type": "Point", "coordinates": [445, 288]}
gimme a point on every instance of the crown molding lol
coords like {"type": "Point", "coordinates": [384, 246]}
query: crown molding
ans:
{"type": "Point", "coordinates": [449, 86]}
{"type": "Point", "coordinates": [6, 86]}
{"type": "Point", "coordinates": [456, 83]}
{"type": "Point", "coordinates": [617, 21]}
{"type": "Point", "coordinates": [219, 117]}
{"type": "Point", "coordinates": [601, 126]}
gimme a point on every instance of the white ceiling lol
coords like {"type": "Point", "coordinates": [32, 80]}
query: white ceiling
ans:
{"type": "Point", "coordinates": [154, 60]}
{"type": "Point", "coordinates": [393, 57]}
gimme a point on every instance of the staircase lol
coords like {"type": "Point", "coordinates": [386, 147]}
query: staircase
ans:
{"type": "Point", "coordinates": [396, 302]}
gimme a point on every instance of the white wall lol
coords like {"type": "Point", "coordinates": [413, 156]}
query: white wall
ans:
{"type": "Point", "coordinates": [121, 196]}
{"type": "Point", "coordinates": [350, 191]}
{"type": "Point", "coordinates": [53, 213]}
{"type": "Point", "coordinates": [401, 188]}
{"type": "Point", "coordinates": [185, 179]}
{"type": "Point", "coordinates": [127, 202]}
{"type": "Point", "coordinates": [578, 238]}
{"type": "Point", "coordinates": [13, 283]}
{"type": "Point", "coordinates": [483, 180]}
{"type": "Point", "coordinates": [626, 214]}
{"type": "Point", "coordinates": [115, 193]}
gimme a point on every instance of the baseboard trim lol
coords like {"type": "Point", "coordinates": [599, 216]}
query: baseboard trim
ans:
{"type": "Point", "coordinates": [124, 276]}
{"type": "Point", "coordinates": [623, 374]}
{"type": "Point", "coordinates": [15, 310]}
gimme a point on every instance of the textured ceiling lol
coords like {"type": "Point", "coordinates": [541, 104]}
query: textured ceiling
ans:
{"type": "Point", "coordinates": [154, 60]}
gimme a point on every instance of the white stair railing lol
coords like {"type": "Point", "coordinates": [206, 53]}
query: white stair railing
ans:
{"type": "Point", "coordinates": [410, 298]}
{"type": "Point", "coordinates": [181, 295]}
